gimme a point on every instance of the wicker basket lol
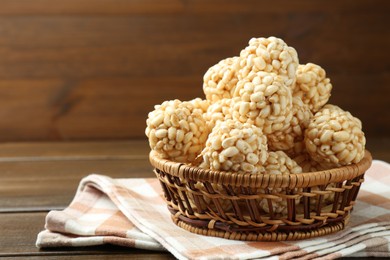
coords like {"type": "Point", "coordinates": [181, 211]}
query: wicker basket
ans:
{"type": "Point", "coordinates": [227, 205]}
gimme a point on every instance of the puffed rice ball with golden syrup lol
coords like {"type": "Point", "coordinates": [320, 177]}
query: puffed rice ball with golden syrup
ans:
{"type": "Point", "coordinates": [220, 79]}
{"type": "Point", "coordinates": [334, 136]}
{"type": "Point", "coordinates": [264, 100]}
{"type": "Point", "coordinates": [284, 140]}
{"type": "Point", "coordinates": [312, 86]}
{"type": "Point", "coordinates": [235, 147]}
{"type": "Point", "coordinates": [218, 111]}
{"type": "Point", "coordinates": [177, 130]}
{"type": "Point", "coordinates": [271, 55]}
{"type": "Point", "coordinates": [279, 163]}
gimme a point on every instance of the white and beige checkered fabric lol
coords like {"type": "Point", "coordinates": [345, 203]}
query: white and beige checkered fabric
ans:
{"type": "Point", "coordinates": [132, 213]}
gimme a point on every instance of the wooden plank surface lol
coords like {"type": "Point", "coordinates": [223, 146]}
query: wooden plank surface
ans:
{"type": "Point", "coordinates": [49, 151]}
{"type": "Point", "coordinates": [36, 177]}
{"type": "Point", "coordinates": [36, 186]}
{"type": "Point", "coordinates": [83, 69]}
{"type": "Point", "coordinates": [58, 7]}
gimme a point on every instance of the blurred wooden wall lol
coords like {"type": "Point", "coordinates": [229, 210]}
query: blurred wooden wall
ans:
{"type": "Point", "coordinates": [92, 69]}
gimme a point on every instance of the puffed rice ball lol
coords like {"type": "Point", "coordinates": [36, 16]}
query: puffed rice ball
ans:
{"type": "Point", "coordinates": [218, 111]}
{"type": "Point", "coordinates": [284, 140]}
{"type": "Point", "coordinates": [312, 86]}
{"type": "Point", "coordinates": [220, 79]}
{"type": "Point", "coordinates": [177, 130]}
{"type": "Point", "coordinates": [201, 104]}
{"type": "Point", "coordinates": [300, 155]}
{"type": "Point", "coordinates": [270, 55]}
{"type": "Point", "coordinates": [262, 99]}
{"type": "Point", "coordinates": [334, 136]}
{"type": "Point", "coordinates": [236, 147]}
{"type": "Point", "coordinates": [309, 165]}
{"type": "Point", "coordinates": [279, 163]}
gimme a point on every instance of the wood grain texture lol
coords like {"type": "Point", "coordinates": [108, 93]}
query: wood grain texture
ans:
{"type": "Point", "coordinates": [83, 69]}
{"type": "Point", "coordinates": [36, 186]}
{"type": "Point", "coordinates": [65, 151]}
{"type": "Point", "coordinates": [48, 178]}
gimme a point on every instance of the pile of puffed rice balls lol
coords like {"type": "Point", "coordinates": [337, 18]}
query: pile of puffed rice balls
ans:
{"type": "Point", "coordinates": [264, 113]}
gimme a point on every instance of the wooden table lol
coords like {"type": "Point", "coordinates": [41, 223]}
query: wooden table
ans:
{"type": "Point", "coordinates": [38, 177]}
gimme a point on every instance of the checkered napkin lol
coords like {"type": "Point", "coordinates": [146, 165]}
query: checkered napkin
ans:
{"type": "Point", "coordinates": [132, 213]}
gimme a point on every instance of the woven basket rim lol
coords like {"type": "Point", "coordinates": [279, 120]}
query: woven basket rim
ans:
{"type": "Point", "coordinates": [300, 180]}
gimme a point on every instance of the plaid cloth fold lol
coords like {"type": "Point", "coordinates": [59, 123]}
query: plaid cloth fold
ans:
{"type": "Point", "coordinates": [132, 213]}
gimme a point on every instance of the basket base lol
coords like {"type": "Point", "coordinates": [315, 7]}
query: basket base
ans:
{"type": "Point", "coordinates": [256, 236]}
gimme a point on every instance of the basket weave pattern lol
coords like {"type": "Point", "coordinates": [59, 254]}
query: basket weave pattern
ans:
{"type": "Point", "coordinates": [227, 205]}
